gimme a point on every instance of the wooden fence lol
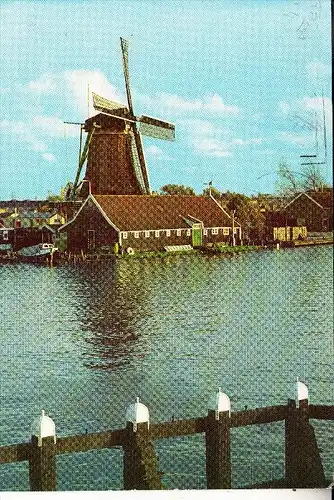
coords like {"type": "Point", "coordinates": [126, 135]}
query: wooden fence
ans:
{"type": "Point", "coordinates": [303, 467]}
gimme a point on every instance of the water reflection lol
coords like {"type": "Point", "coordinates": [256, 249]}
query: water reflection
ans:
{"type": "Point", "coordinates": [111, 304]}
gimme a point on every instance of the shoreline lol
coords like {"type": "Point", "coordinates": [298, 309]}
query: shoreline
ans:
{"type": "Point", "coordinates": [217, 250]}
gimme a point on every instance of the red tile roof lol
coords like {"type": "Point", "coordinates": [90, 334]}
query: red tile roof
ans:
{"type": "Point", "coordinates": [140, 212]}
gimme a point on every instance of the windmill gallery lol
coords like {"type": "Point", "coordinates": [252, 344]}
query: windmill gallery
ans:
{"type": "Point", "coordinates": [118, 211]}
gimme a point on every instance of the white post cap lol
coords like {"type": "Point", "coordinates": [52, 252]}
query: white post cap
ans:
{"type": "Point", "coordinates": [43, 426]}
{"type": "Point", "coordinates": [137, 413]}
{"type": "Point", "coordinates": [220, 403]}
{"type": "Point", "coordinates": [302, 391]}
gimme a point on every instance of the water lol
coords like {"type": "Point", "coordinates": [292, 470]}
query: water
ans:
{"type": "Point", "coordinates": [83, 341]}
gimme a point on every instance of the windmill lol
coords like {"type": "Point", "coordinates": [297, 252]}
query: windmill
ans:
{"type": "Point", "coordinates": [113, 149]}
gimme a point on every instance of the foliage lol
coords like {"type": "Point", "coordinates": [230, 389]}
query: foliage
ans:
{"type": "Point", "coordinates": [291, 182]}
{"type": "Point", "coordinates": [177, 189]}
{"type": "Point", "coordinates": [248, 213]}
{"type": "Point", "coordinates": [62, 195]}
{"type": "Point", "coordinates": [214, 192]}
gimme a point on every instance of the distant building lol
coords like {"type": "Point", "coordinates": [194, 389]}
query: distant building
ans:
{"type": "Point", "coordinates": [313, 210]}
{"type": "Point", "coordinates": [17, 238]}
{"type": "Point", "coordinates": [148, 223]}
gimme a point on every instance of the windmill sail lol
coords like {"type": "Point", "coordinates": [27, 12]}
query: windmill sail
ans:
{"type": "Point", "coordinates": [159, 129]}
{"type": "Point", "coordinates": [125, 56]}
{"type": "Point", "coordinates": [102, 104]}
{"type": "Point", "coordinates": [136, 163]}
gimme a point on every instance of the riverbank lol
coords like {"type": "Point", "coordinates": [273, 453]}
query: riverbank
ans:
{"type": "Point", "coordinates": [217, 249]}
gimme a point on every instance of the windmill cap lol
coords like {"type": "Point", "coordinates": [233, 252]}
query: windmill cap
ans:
{"type": "Point", "coordinates": [220, 402]}
{"type": "Point", "coordinates": [137, 413]}
{"type": "Point", "coordinates": [43, 426]}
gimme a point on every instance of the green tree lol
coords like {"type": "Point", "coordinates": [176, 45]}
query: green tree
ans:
{"type": "Point", "coordinates": [177, 189]}
{"type": "Point", "coordinates": [214, 192]}
{"type": "Point", "coordinates": [248, 213]}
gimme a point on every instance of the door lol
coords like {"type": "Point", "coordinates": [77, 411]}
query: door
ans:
{"type": "Point", "coordinates": [197, 235]}
{"type": "Point", "coordinates": [91, 239]}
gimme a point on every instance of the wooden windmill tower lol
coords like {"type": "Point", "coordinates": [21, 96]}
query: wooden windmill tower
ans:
{"type": "Point", "coordinates": [114, 151]}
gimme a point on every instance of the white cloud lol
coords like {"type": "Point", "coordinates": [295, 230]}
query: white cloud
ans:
{"type": "Point", "coordinates": [297, 139]}
{"type": "Point", "coordinates": [72, 87]}
{"type": "Point", "coordinates": [24, 132]}
{"type": "Point", "coordinates": [77, 82]}
{"type": "Point", "coordinates": [49, 157]}
{"type": "Point", "coordinates": [206, 138]}
{"type": "Point", "coordinates": [53, 126]}
{"type": "Point", "coordinates": [45, 84]}
{"type": "Point", "coordinates": [284, 107]}
{"type": "Point", "coordinates": [317, 70]}
{"type": "Point", "coordinates": [211, 140]}
{"type": "Point", "coordinates": [153, 150]}
{"type": "Point", "coordinates": [246, 142]}
{"type": "Point", "coordinates": [156, 152]}
{"type": "Point", "coordinates": [212, 147]}
{"type": "Point", "coordinates": [172, 103]}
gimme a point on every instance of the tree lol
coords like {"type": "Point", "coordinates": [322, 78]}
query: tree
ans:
{"type": "Point", "coordinates": [313, 181]}
{"type": "Point", "coordinates": [288, 184]}
{"type": "Point", "coordinates": [292, 182]}
{"type": "Point", "coordinates": [176, 189]}
{"type": "Point", "coordinates": [248, 213]}
{"type": "Point", "coordinates": [214, 192]}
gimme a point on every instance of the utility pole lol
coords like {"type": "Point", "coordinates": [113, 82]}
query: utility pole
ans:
{"type": "Point", "coordinates": [233, 237]}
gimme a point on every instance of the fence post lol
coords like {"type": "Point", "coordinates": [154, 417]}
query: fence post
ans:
{"type": "Point", "coordinates": [217, 437]}
{"type": "Point", "coordinates": [42, 459]}
{"type": "Point", "coordinates": [303, 467]}
{"type": "Point", "coordinates": [140, 462]}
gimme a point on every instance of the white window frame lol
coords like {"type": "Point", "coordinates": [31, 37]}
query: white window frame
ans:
{"type": "Point", "coordinates": [178, 232]}
{"type": "Point", "coordinates": [188, 232]}
{"type": "Point", "coordinates": [124, 235]}
{"type": "Point", "coordinates": [168, 232]}
{"type": "Point", "coordinates": [157, 234]}
{"type": "Point", "coordinates": [136, 234]}
{"type": "Point", "coordinates": [5, 235]}
{"type": "Point", "coordinates": [205, 232]}
{"type": "Point", "coordinates": [147, 234]}
{"type": "Point", "coordinates": [214, 230]}
{"type": "Point", "coordinates": [226, 231]}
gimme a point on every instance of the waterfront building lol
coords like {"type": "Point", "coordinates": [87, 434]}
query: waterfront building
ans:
{"type": "Point", "coordinates": [148, 223]}
{"type": "Point", "coordinates": [313, 210]}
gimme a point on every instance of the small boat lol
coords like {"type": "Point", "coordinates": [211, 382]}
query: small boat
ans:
{"type": "Point", "coordinates": [43, 252]}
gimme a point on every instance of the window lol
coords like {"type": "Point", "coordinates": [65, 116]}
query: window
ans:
{"type": "Point", "coordinates": [5, 235]}
{"type": "Point", "coordinates": [188, 232]}
{"type": "Point", "coordinates": [124, 235]}
{"type": "Point", "coordinates": [157, 234]}
{"type": "Point", "coordinates": [168, 232]}
{"type": "Point", "coordinates": [178, 232]}
{"type": "Point", "coordinates": [147, 234]}
{"type": "Point", "coordinates": [136, 234]}
{"type": "Point", "coordinates": [205, 232]}
{"type": "Point", "coordinates": [226, 231]}
{"type": "Point", "coordinates": [214, 230]}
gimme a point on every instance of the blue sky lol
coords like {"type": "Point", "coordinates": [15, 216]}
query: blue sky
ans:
{"type": "Point", "coordinates": [242, 80]}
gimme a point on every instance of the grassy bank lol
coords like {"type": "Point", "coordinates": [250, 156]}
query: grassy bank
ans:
{"type": "Point", "coordinates": [223, 249]}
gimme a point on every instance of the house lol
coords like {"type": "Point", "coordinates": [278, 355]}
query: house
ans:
{"type": "Point", "coordinates": [147, 223]}
{"type": "Point", "coordinates": [37, 219]}
{"type": "Point", "coordinates": [313, 210]}
{"type": "Point", "coordinates": [281, 228]}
